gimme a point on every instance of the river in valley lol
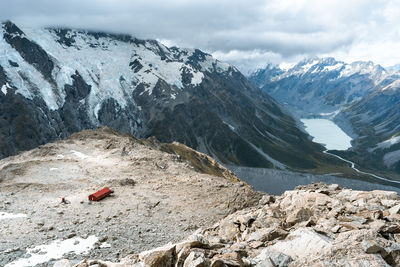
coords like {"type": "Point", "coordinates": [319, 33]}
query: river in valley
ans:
{"type": "Point", "coordinates": [332, 137]}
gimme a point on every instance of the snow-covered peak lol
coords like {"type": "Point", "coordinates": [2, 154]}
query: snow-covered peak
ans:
{"type": "Point", "coordinates": [313, 66]}
{"type": "Point", "coordinates": [268, 68]}
{"type": "Point", "coordinates": [266, 74]}
{"type": "Point", "coordinates": [364, 67]}
{"type": "Point", "coordinates": [112, 65]}
{"type": "Point", "coordinates": [325, 66]}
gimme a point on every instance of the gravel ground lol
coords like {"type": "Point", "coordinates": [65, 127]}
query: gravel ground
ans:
{"type": "Point", "coordinates": [158, 197]}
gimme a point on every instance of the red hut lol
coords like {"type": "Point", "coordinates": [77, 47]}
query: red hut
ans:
{"type": "Point", "coordinates": [99, 195]}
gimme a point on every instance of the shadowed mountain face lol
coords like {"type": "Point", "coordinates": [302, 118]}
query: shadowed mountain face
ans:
{"type": "Point", "coordinates": [58, 81]}
{"type": "Point", "coordinates": [362, 97]}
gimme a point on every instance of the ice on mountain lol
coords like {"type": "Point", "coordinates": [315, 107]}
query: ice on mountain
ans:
{"type": "Point", "coordinates": [333, 67]}
{"type": "Point", "coordinates": [197, 78]}
{"type": "Point", "coordinates": [25, 77]}
{"type": "Point", "coordinates": [104, 63]}
{"type": "Point", "coordinates": [307, 67]}
{"type": "Point", "coordinates": [388, 143]}
{"type": "Point", "coordinates": [4, 89]}
{"type": "Point", "coordinates": [393, 86]}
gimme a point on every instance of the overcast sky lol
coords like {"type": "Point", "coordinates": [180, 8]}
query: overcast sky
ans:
{"type": "Point", "coordinates": [247, 34]}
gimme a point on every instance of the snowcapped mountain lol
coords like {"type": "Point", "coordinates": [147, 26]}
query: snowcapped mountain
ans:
{"type": "Point", "coordinates": [321, 84]}
{"type": "Point", "coordinates": [58, 81]}
{"type": "Point", "coordinates": [362, 95]}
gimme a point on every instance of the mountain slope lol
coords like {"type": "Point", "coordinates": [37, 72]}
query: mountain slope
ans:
{"type": "Point", "coordinates": [58, 81]}
{"type": "Point", "coordinates": [376, 119]}
{"type": "Point", "coordinates": [362, 97]}
{"type": "Point", "coordinates": [320, 85]}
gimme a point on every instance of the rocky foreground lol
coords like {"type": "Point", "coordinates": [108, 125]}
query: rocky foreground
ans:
{"type": "Point", "coordinates": [315, 225]}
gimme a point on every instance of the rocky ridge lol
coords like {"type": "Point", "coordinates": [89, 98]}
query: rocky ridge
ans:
{"type": "Point", "coordinates": [314, 225]}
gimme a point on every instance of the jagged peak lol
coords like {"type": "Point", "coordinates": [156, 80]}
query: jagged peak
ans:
{"type": "Point", "coordinates": [316, 65]}
{"type": "Point", "coordinates": [11, 28]}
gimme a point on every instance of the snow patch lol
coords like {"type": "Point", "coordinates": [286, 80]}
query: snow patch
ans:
{"type": "Point", "coordinates": [4, 89]}
{"type": "Point", "coordinates": [394, 85]}
{"type": "Point", "coordinates": [230, 126]}
{"type": "Point", "coordinates": [330, 115]}
{"type": "Point", "coordinates": [333, 67]}
{"type": "Point", "coordinates": [307, 67]}
{"type": "Point", "coordinates": [79, 154]}
{"type": "Point", "coordinates": [388, 143]}
{"type": "Point", "coordinates": [5, 215]}
{"type": "Point", "coordinates": [197, 78]}
{"type": "Point", "coordinates": [274, 162]}
{"type": "Point", "coordinates": [55, 250]}
{"type": "Point", "coordinates": [105, 245]}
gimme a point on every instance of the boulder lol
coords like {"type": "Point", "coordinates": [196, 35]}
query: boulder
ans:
{"type": "Point", "coordinates": [303, 242]}
{"type": "Point", "coordinates": [232, 259]}
{"type": "Point", "coordinates": [266, 234]}
{"type": "Point", "coordinates": [193, 241]}
{"type": "Point", "coordinates": [196, 259]}
{"type": "Point", "coordinates": [371, 246]}
{"type": "Point", "coordinates": [298, 215]}
{"type": "Point", "coordinates": [159, 257]}
{"type": "Point", "coordinates": [394, 210]}
{"type": "Point", "coordinates": [269, 257]}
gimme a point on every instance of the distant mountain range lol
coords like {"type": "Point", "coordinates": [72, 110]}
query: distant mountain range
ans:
{"type": "Point", "coordinates": [362, 97]}
{"type": "Point", "coordinates": [55, 81]}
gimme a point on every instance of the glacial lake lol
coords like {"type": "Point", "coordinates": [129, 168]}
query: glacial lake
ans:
{"type": "Point", "coordinates": [327, 133]}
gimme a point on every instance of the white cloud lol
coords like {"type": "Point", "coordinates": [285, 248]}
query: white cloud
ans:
{"type": "Point", "coordinates": [246, 33]}
{"type": "Point", "coordinates": [246, 61]}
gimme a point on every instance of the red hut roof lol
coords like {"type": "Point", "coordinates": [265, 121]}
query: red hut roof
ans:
{"type": "Point", "coordinates": [100, 194]}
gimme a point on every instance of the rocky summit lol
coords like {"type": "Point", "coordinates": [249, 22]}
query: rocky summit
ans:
{"type": "Point", "coordinates": [162, 193]}
{"type": "Point", "coordinates": [314, 225]}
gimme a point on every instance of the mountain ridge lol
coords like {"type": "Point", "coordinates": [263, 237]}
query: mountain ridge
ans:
{"type": "Point", "coordinates": [57, 81]}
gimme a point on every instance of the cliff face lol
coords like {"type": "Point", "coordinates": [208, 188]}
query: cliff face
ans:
{"type": "Point", "coordinates": [315, 225]}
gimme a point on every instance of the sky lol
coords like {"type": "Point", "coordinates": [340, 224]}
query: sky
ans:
{"type": "Point", "coordinates": [248, 33]}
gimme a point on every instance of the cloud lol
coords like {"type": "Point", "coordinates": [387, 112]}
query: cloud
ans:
{"type": "Point", "coordinates": [245, 33]}
{"type": "Point", "coordinates": [246, 60]}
